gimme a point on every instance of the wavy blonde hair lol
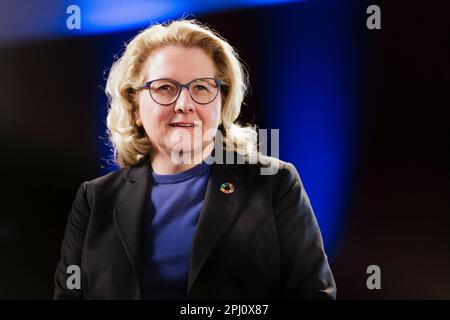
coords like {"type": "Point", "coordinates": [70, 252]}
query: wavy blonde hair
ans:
{"type": "Point", "coordinates": [129, 140]}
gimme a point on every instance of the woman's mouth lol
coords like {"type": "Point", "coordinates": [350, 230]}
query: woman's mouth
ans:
{"type": "Point", "coordinates": [182, 124]}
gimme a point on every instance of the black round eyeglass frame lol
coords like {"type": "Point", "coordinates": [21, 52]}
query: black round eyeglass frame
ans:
{"type": "Point", "coordinates": [147, 85]}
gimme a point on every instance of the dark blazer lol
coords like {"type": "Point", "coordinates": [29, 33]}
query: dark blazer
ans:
{"type": "Point", "coordinates": [260, 242]}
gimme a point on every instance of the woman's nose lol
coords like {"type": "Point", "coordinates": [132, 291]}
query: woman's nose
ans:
{"type": "Point", "coordinates": [184, 102]}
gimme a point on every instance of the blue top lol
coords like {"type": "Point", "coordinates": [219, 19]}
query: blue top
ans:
{"type": "Point", "coordinates": [175, 204]}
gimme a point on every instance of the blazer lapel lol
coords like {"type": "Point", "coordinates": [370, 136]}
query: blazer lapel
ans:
{"type": "Point", "coordinates": [129, 215]}
{"type": "Point", "coordinates": [218, 212]}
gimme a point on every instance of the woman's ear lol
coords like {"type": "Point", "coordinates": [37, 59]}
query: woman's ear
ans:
{"type": "Point", "coordinates": [136, 115]}
{"type": "Point", "coordinates": [137, 118]}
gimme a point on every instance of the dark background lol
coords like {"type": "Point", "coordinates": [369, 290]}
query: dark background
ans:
{"type": "Point", "coordinates": [395, 208]}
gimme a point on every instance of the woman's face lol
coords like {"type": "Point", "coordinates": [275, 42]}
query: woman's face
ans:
{"type": "Point", "coordinates": [164, 124]}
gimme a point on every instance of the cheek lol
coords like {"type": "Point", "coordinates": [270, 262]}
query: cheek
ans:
{"type": "Point", "coordinates": [210, 118]}
{"type": "Point", "coordinates": [153, 117]}
{"type": "Point", "coordinates": [214, 114]}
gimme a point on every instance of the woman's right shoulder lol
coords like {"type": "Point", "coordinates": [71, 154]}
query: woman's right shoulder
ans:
{"type": "Point", "coordinates": [109, 178]}
{"type": "Point", "coordinates": [118, 178]}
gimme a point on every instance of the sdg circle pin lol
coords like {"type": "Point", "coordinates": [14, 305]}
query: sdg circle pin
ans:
{"type": "Point", "coordinates": [227, 188]}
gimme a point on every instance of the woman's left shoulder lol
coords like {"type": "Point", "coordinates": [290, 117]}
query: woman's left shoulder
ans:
{"type": "Point", "coordinates": [270, 166]}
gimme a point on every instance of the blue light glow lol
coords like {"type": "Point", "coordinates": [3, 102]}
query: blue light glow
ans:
{"type": "Point", "coordinates": [39, 20]}
{"type": "Point", "coordinates": [312, 105]}
{"type": "Point", "coordinates": [114, 15]}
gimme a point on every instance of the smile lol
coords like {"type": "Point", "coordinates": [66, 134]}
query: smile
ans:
{"type": "Point", "coordinates": [184, 125]}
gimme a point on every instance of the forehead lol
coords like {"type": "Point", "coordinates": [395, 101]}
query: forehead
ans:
{"type": "Point", "coordinates": [179, 63]}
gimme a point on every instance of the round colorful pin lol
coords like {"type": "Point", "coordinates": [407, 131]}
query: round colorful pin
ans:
{"type": "Point", "coordinates": [227, 188]}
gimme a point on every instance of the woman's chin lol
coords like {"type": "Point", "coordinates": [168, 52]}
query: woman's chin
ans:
{"type": "Point", "coordinates": [185, 149]}
{"type": "Point", "coordinates": [187, 154]}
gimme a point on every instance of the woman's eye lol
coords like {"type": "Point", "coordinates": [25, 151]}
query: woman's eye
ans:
{"type": "Point", "coordinates": [165, 88]}
{"type": "Point", "coordinates": [200, 88]}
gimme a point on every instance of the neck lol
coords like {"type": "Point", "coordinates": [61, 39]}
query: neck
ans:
{"type": "Point", "coordinates": [162, 163]}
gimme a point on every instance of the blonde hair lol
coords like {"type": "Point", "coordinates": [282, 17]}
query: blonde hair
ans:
{"type": "Point", "coordinates": [129, 140]}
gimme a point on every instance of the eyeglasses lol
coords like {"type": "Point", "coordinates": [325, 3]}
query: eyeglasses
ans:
{"type": "Point", "coordinates": [167, 91]}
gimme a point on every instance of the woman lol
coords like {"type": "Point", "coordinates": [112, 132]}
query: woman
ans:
{"type": "Point", "coordinates": [174, 222]}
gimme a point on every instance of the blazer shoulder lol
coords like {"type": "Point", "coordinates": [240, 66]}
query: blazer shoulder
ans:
{"type": "Point", "coordinates": [118, 177]}
{"type": "Point", "coordinates": [270, 166]}
{"type": "Point", "coordinates": [109, 178]}
{"type": "Point", "coordinates": [267, 161]}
